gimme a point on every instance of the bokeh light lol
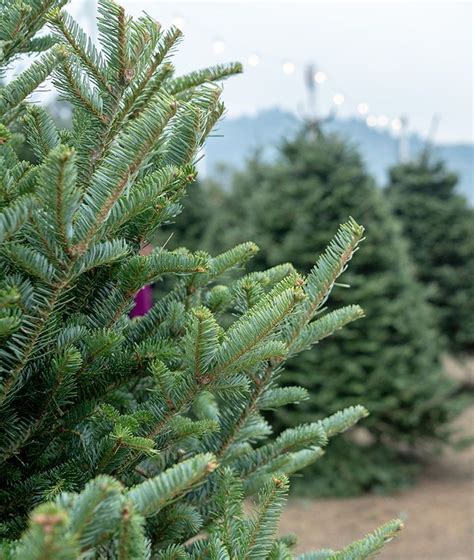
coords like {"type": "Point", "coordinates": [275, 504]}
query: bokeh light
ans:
{"type": "Point", "coordinates": [371, 121]}
{"type": "Point", "coordinates": [254, 60]}
{"type": "Point", "coordinates": [396, 124]}
{"type": "Point", "coordinates": [320, 77]}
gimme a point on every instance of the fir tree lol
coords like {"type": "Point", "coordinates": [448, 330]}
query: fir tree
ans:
{"type": "Point", "coordinates": [439, 225]}
{"type": "Point", "coordinates": [389, 360]}
{"type": "Point", "coordinates": [190, 228]}
{"type": "Point", "coordinates": [123, 438]}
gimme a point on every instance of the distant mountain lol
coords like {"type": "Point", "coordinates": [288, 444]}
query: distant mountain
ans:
{"type": "Point", "coordinates": [236, 139]}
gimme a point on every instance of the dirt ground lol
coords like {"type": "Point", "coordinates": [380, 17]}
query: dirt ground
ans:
{"type": "Point", "coordinates": [438, 513]}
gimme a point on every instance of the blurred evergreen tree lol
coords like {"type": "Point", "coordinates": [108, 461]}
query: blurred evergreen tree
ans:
{"type": "Point", "coordinates": [190, 228]}
{"type": "Point", "coordinates": [439, 225]}
{"type": "Point", "coordinates": [389, 361]}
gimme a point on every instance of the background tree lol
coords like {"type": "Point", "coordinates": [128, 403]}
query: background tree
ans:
{"type": "Point", "coordinates": [390, 360]}
{"type": "Point", "coordinates": [191, 227]}
{"type": "Point", "coordinates": [439, 226]}
{"type": "Point", "coordinates": [123, 438]}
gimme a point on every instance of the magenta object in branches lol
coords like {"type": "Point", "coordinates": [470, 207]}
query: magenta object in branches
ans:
{"type": "Point", "coordinates": [143, 302]}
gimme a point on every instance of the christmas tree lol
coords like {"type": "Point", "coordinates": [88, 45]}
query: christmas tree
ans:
{"type": "Point", "coordinates": [191, 228]}
{"type": "Point", "coordinates": [124, 438]}
{"type": "Point", "coordinates": [439, 225]}
{"type": "Point", "coordinates": [389, 360]}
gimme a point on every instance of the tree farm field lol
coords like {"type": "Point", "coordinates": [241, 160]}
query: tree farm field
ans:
{"type": "Point", "coordinates": [438, 511]}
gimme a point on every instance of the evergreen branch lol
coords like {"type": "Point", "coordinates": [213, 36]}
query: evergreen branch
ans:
{"type": "Point", "coordinates": [206, 75]}
{"type": "Point", "coordinates": [289, 463]}
{"type": "Point", "coordinates": [213, 117]}
{"type": "Point", "coordinates": [119, 167]}
{"type": "Point", "coordinates": [154, 494]}
{"type": "Point", "coordinates": [144, 36]}
{"type": "Point", "coordinates": [137, 88]}
{"type": "Point", "coordinates": [131, 539]}
{"type": "Point", "coordinates": [322, 554]}
{"type": "Point", "coordinates": [332, 425]}
{"type": "Point", "coordinates": [254, 327]}
{"type": "Point", "coordinates": [272, 276]}
{"type": "Point", "coordinates": [291, 440]}
{"type": "Point", "coordinates": [325, 326]}
{"type": "Point", "coordinates": [299, 460]}
{"type": "Point", "coordinates": [332, 263]}
{"type": "Point", "coordinates": [225, 261]}
{"type": "Point", "coordinates": [155, 190]}
{"type": "Point", "coordinates": [81, 45]}
{"type": "Point", "coordinates": [46, 243]}
{"type": "Point", "coordinates": [337, 263]}
{"type": "Point", "coordinates": [171, 411]}
{"type": "Point", "coordinates": [33, 338]}
{"type": "Point", "coordinates": [30, 262]}
{"type": "Point", "coordinates": [183, 138]}
{"type": "Point", "coordinates": [64, 366]}
{"type": "Point", "coordinates": [19, 89]}
{"type": "Point", "coordinates": [289, 283]}
{"type": "Point", "coordinates": [9, 325]}
{"type": "Point", "coordinates": [329, 266]}
{"type": "Point", "coordinates": [96, 512]}
{"type": "Point", "coordinates": [138, 92]}
{"type": "Point", "coordinates": [41, 131]}
{"type": "Point", "coordinates": [112, 26]}
{"type": "Point", "coordinates": [101, 254]}
{"type": "Point", "coordinates": [43, 312]}
{"type": "Point", "coordinates": [343, 420]}
{"type": "Point", "coordinates": [259, 538]}
{"type": "Point", "coordinates": [201, 342]}
{"type": "Point", "coordinates": [20, 22]}
{"type": "Point", "coordinates": [265, 351]}
{"type": "Point", "coordinates": [250, 408]}
{"type": "Point", "coordinates": [38, 44]}
{"type": "Point", "coordinates": [58, 194]}
{"type": "Point", "coordinates": [13, 217]}
{"type": "Point", "coordinates": [280, 396]}
{"type": "Point", "coordinates": [60, 383]}
{"type": "Point", "coordinates": [141, 270]}
{"type": "Point", "coordinates": [370, 545]}
{"type": "Point", "coordinates": [46, 535]}
{"type": "Point", "coordinates": [75, 89]}
{"type": "Point", "coordinates": [229, 505]}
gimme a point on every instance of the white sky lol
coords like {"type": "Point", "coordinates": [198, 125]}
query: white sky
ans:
{"type": "Point", "coordinates": [402, 58]}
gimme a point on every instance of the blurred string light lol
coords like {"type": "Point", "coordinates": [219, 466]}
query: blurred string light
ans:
{"type": "Point", "coordinates": [320, 77]}
{"type": "Point", "coordinates": [363, 108]}
{"type": "Point", "coordinates": [371, 121]}
{"type": "Point", "coordinates": [396, 124]}
{"type": "Point", "coordinates": [254, 60]}
{"type": "Point", "coordinates": [289, 67]}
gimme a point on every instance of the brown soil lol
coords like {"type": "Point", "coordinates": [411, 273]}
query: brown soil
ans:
{"type": "Point", "coordinates": [438, 513]}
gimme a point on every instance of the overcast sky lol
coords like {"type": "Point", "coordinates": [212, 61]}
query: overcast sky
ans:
{"type": "Point", "coordinates": [402, 58]}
